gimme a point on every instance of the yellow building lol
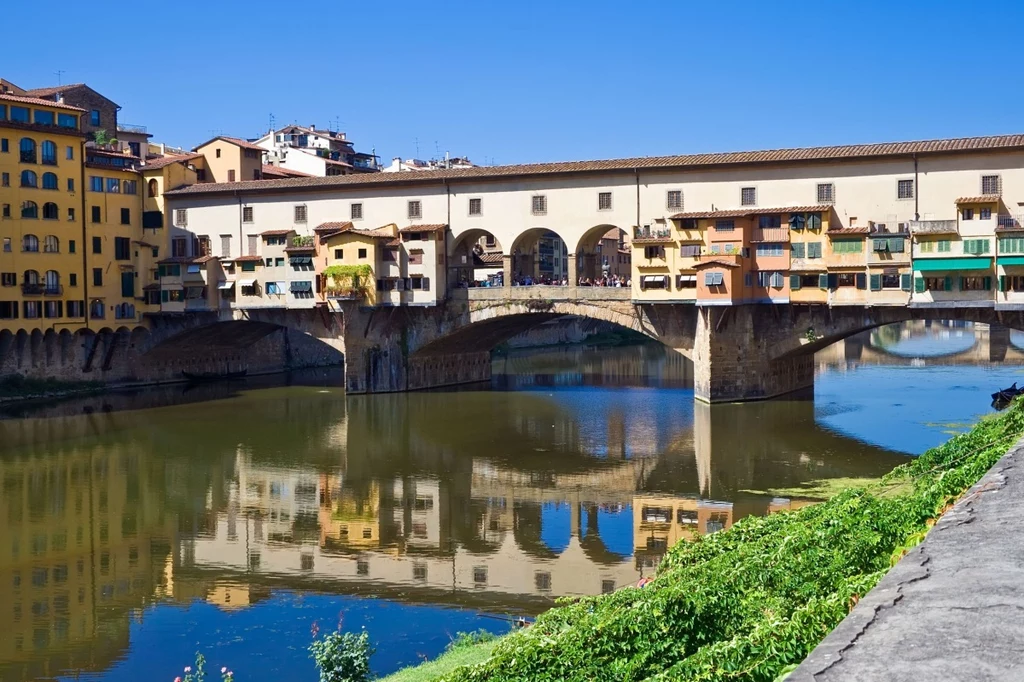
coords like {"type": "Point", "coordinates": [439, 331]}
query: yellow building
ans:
{"type": "Point", "coordinates": [809, 245]}
{"type": "Point", "coordinates": [230, 159]}
{"type": "Point", "coordinates": [41, 225]}
{"type": "Point", "coordinates": [358, 258]}
{"type": "Point", "coordinates": [113, 200]}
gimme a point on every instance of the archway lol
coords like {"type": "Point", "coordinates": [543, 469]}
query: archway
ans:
{"type": "Point", "coordinates": [540, 256]}
{"type": "Point", "coordinates": [602, 255]}
{"type": "Point", "coordinates": [476, 259]}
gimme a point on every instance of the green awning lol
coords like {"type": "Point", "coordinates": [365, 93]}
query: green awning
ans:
{"type": "Point", "coordinates": [1010, 260]}
{"type": "Point", "coordinates": [947, 264]}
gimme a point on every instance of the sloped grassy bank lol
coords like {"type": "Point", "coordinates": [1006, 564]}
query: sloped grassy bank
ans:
{"type": "Point", "coordinates": [750, 602]}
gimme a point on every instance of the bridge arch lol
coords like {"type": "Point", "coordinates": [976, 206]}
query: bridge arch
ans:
{"type": "Point", "coordinates": [473, 255]}
{"type": "Point", "coordinates": [597, 252]}
{"type": "Point", "coordinates": [539, 253]}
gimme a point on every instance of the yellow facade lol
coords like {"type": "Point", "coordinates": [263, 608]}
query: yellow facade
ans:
{"type": "Point", "coordinates": [808, 259]}
{"type": "Point", "coordinates": [354, 248]}
{"type": "Point", "coordinates": [41, 224]}
{"type": "Point", "coordinates": [114, 221]}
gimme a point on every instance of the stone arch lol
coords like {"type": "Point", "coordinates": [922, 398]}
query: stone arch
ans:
{"type": "Point", "coordinates": [49, 346]}
{"type": "Point", "coordinates": [591, 253]}
{"type": "Point", "coordinates": [36, 347]}
{"type": "Point", "coordinates": [66, 342]}
{"type": "Point", "coordinates": [539, 253]}
{"type": "Point", "coordinates": [21, 346]}
{"type": "Point", "coordinates": [527, 527]}
{"type": "Point", "coordinates": [474, 256]}
{"type": "Point", "coordinates": [6, 343]}
{"type": "Point", "coordinates": [140, 336]}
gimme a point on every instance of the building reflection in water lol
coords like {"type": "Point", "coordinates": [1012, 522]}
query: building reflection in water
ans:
{"type": "Point", "coordinates": [496, 500]}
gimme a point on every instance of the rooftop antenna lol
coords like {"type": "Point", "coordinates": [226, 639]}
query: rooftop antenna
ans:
{"type": "Point", "coordinates": [58, 73]}
{"type": "Point", "coordinates": [417, 147]}
{"type": "Point", "coordinates": [272, 121]}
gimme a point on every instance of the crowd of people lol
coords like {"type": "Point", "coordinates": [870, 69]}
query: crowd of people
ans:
{"type": "Point", "coordinates": [529, 280]}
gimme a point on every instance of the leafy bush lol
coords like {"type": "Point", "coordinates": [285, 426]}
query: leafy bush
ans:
{"type": "Point", "coordinates": [463, 639]}
{"type": "Point", "coordinates": [750, 602]}
{"type": "Point", "coordinates": [342, 656]}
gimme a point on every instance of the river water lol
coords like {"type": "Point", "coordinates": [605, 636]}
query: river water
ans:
{"type": "Point", "coordinates": [138, 528]}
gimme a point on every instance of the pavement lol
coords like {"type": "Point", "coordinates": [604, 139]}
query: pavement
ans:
{"type": "Point", "coordinates": [952, 608]}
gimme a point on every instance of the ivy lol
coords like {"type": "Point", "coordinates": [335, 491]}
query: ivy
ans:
{"type": "Point", "coordinates": [349, 280]}
{"type": "Point", "coordinates": [750, 602]}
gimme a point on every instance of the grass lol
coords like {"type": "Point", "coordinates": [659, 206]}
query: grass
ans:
{"type": "Point", "coordinates": [825, 489]}
{"type": "Point", "coordinates": [465, 655]}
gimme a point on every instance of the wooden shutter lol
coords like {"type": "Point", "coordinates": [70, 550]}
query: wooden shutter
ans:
{"type": "Point", "coordinates": [947, 284]}
{"type": "Point", "coordinates": [988, 284]}
{"type": "Point", "coordinates": [861, 280]}
{"type": "Point", "coordinates": [823, 281]}
{"type": "Point", "coordinates": [794, 282]}
{"type": "Point", "coordinates": [876, 282]}
{"type": "Point", "coordinates": [833, 280]}
{"type": "Point", "coordinates": [919, 285]}
{"type": "Point", "coordinates": [1002, 282]}
{"type": "Point", "coordinates": [905, 281]}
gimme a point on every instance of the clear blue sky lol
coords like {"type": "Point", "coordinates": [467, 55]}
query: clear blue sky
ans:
{"type": "Point", "coordinates": [513, 82]}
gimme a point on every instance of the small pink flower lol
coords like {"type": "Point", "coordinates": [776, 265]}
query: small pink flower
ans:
{"type": "Point", "coordinates": [177, 679]}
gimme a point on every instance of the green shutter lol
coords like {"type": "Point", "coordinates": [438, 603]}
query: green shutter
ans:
{"type": "Point", "coordinates": [833, 281]}
{"type": "Point", "coordinates": [164, 296]}
{"type": "Point", "coordinates": [797, 250]}
{"type": "Point", "coordinates": [823, 281]}
{"type": "Point", "coordinates": [988, 284]}
{"type": "Point", "coordinates": [794, 282]}
{"type": "Point", "coordinates": [943, 246]}
{"type": "Point", "coordinates": [919, 285]}
{"type": "Point", "coordinates": [961, 279]}
{"type": "Point", "coordinates": [1002, 282]}
{"type": "Point", "coordinates": [947, 284]}
{"type": "Point", "coordinates": [896, 244]}
{"type": "Point", "coordinates": [905, 281]}
{"type": "Point", "coordinates": [876, 282]}
{"type": "Point", "coordinates": [128, 284]}
{"type": "Point", "coordinates": [862, 280]}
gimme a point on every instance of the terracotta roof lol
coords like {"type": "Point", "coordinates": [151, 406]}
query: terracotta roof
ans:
{"type": "Point", "coordinates": [245, 259]}
{"type": "Point", "coordinates": [717, 262]}
{"type": "Point", "coordinates": [269, 170]}
{"type": "Point", "coordinates": [848, 230]}
{"type": "Point", "coordinates": [333, 162]}
{"type": "Point", "coordinates": [276, 233]}
{"type": "Point", "coordinates": [334, 226]}
{"type": "Point", "coordinates": [244, 144]}
{"type": "Point", "coordinates": [987, 199]}
{"type": "Point", "coordinates": [689, 161]}
{"type": "Point", "coordinates": [152, 287]}
{"type": "Point", "coordinates": [110, 152]}
{"type": "Point", "coordinates": [145, 244]}
{"type": "Point", "coordinates": [154, 164]}
{"type": "Point", "coordinates": [37, 101]}
{"type": "Point", "coordinates": [379, 233]}
{"type": "Point", "coordinates": [494, 258]}
{"type": "Point", "coordinates": [1016, 227]}
{"type": "Point", "coordinates": [395, 241]}
{"type": "Point", "coordinates": [752, 211]}
{"type": "Point", "coordinates": [438, 227]}
{"type": "Point", "coordinates": [175, 260]}
{"type": "Point", "coordinates": [205, 259]}
{"type": "Point", "coordinates": [52, 90]}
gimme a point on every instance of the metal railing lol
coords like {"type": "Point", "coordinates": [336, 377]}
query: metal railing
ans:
{"type": "Point", "coordinates": [1011, 222]}
{"type": "Point", "coordinates": [31, 289]}
{"type": "Point", "coordinates": [647, 232]}
{"type": "Point", "coordinates": [53, 290]}
{"type": "Point", "coordinates": [131, 128]}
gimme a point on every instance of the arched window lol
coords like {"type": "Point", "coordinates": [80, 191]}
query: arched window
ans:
{"type": "Point", "coordinates": [152, 187]}
{"type": "Point", "coordinates": [51, 244]}
{"type": "Point", "coordinates": [49, 153]}
{"type": "Point", "coordinates": [52, 282]}
{"type": "Point", "coordinates": [50, 211]}
{"type": "Point", "coordinates": [31, 278]}
{"type": "Point", "coordinates": [97, 309]}
{"type": "Point", "coordinates": [29, 179]}
{"type": "Point", "coordinates": [49, 181]}
{"type": "Point", "coordinates": [27, 147]}
{"type": "Point", "coordinates": [124, 311]}
{"type": "Point", "coordinates": [29, 209]}
{"type": "Point", "coordinates": [30, 243]}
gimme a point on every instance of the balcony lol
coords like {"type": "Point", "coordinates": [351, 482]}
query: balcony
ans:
{"type": "Point", "coordinates": [131, 128]}
{"type": "Point", "coordinates": [32, 289]}
{"type": "Point", "coordinates": [652, 234]}
{"type": "Point", "coordinates": [933, 226]}
{"type": "Point", "coordinates": [770, 235]}
{"type": "Point", "coordinates": [53, 290]}
{"type": "Point", "coordinates": [1010, 222]}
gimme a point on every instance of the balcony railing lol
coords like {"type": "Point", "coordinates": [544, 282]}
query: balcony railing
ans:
{"type": "Point", "coordinates": [303, 241]}
{"type": "Point", "coordinates": [131, 128]}
{"type": "Point", "coordinates": [1011, 222]}
{"type": "Point", "coordinates": [652, 232]}
{"type": "Point", "coordinates": [933, 226]}
{"type": "Point", "coordinates": [53, 290]}
{"type": "Point", "coordinates": [30, 289]}
{"type": "Point", "coordinates": [345, 294]}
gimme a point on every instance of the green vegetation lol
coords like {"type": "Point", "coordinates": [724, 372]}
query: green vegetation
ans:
{"type": "Point", "coordinates": [466, 649]}
{"type": "Point", "coordinates": [342, 656]}
{"type": "Point", "coordinates": [750, 602]}
{"type": "Point", "coordinates": [18, 386]}
{"type": "Point", "coordinates": [827, 488]}
{"type": "Point", "coordinates": [349, 280]}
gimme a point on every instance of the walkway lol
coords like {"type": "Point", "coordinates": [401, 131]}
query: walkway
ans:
{"type": "Point", "coordinates": [951, 609]}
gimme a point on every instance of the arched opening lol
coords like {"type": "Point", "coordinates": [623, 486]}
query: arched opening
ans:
{"type": "Point", "coordinates": [29, 179]}
{"type": "Point", "coordinates": [540, 256]}
{"type": "Point", "coordinates": [29, 210]}
{"type": "Point", "coordinates": [603, 257]}
{"type": "Point", "coordinates": [49, 153]}
{"type": "Point", "coordinates": [152, 188]}
{"type": "Point", "coordinates": [30, 243]}
{"type": "Point", "coordinates": [97, 310]}
{"type": "Point", "coordinates": [476, 259]}
{"type": "Point", "coordinates": [27, 150]}
{"type": "Point", "coordinates": [52, 282]}
{"type": "Point", "coordinates": [51, 244]}
{"type": "Point", "coordinates": [50, 211]}
{"type": "Point", "coordinates": [49, 181]}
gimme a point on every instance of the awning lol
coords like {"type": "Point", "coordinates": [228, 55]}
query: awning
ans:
{"type": "Point", "coordinates": [1010, 260]}
{"type": "Point", "coordinates": [246, 282]}
{"type": "Point", "coordinates": [300, 260]}
{"type": "Point", "coordinates": [302, 286]}
{"type": "Point", "coordinates": [687, 278]}
{"type": "Point", "coordinates": [225, 285]}
{"type": "Point", "coordinates": [947, 264]}
{"type": "Point", "coordinates": [193, 269]}
{"type": "Point", "coordinates": [655, 278]}
{"type": "Point", "coordinates": [194, 292]}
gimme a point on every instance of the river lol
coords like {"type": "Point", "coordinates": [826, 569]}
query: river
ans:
{"type": "Point", "coordinates": [138, 528]}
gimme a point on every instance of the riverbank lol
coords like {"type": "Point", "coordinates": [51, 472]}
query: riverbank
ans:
{"type": "Point", "coordinates": [17, 388]}
{"type": "Point", "coordinates": [751, 602]}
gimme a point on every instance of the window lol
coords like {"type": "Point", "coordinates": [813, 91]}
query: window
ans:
{"type": "Point", "coordinates": [28, 179]}
{"type": "Point", "coordinates": [71, 246]}
{"type": "Point", "coordinates": [71, 184]}
{"type": "Point", "coordinates": [48, 152]}
{"type": "Point", "coordinates": [361, 253]}
{"type": "Point", "coordinates": [131, 187]}
{"type": "Point", "coordinates": [225, 246]}
{"type": "Point", "coordinates": [490, 241]}
{"type": "Point", "coordinates": [50, 211]}
{"type": "Point", "coordinates": [7, 244]}
{"type": "Point", "coordinates": [6, 211]}
{"type": "Point", "coordinates": [826, 193]}
{"type": "Point", "coordinates": [8, 310]}
{"type": "Point", "coordinates": [604, 201]}
{"type": "Point", "coordinates": [152, 188]}
{"type": "Point", "coordinates": [539, 204]}
{"type": "Point", "coordinates": [5, 146]}
{"type": "Point", "coordinates": [113, 185]}
{"type": "Point", "coordinates": [943, 245]}
{"type": "Point", "coordinates": [967, 214]}
{"type": "Point", "coordinates": [991, 185]}
{"type": "Point", "coordinates": [797, 250]}
{"type": "Point", "coordinates": [416, 257]}
{"type": "Point", "coordinates": [904, 189]}
{"type": "Point", "coordinates": [748, 196]}
{"type": "Point", "coordinates": [475, 206]}
{"type": "Point", "coordinates": [32, 310]}
{"type": "Point", "coordinates": [76, 308]}
{"type": "Point", "coordinates": [95, 183]}
{"type": "Point", "coordinates": [847, 246]}
{"type": "Point", "coordinates": [69, 153]}
{"type": "Point", "coordinates": [52, 282]}
{"type": "Point", "coordinates": [96, 217]}
{"type": "Point", "coordinates": [253, 244]}
{"type": "Point", "coordinates": [20, 114]}
{"type": "Point", "coordinates": [391, 255]}
{"type": "Point", "coordinates": [985, 214]}
{"type": "Point", "coordinates": [725, 225]}
{"type": "Point", "coordinates": [356, 211]}
{"type": "Point", "coordinates": [771, 249]}
{"type": "Point", "coordinates": [94, 117]}
{"type": "Point", "coordinates": [73, 279]}
{"type": "Point", "coordinates": [181, 217]}
{"type": "Point", "coordinates": [975, 283]}
{"type": "Point", "coordinates": [674, 199]}
{"type": "Point", "coordinates": [846, 279]}
{"type": "Point", "coordinates": [178, 247]}
{"type": "Point", "coordinates": [9, 279]}
{"type": "Point", "coordinates": [767, 222]}
{"type": "Point", "coordinates": [300, 213]}
{"type": "Point", "coordinates": [126, 216]}
{"type": "Point", "coordinates": [49, 181]}
{"type": "Point", "coordinates": [339, 254]}
{"type": "Point", "coordinates": [1010, 245]}
{"type": "Point", "coordinates": [27, 148]}
{"type": "Point", "coordinates": [714, 279]}
{"type": "Point", "coordinates": [97, 244]}
{"type": "Point", "coordinates": [5, 179]}
{"type": "Point", "coordinates": [247, 214]}
{"type": "Point", "coordinates": [97, 277]}
{"type": "Point", "coordinates": [122, 248]}
{"type": "Point", "coordinates": [200, 175]}
{"type": "Point", "coordinates": [29, 209]}
{"type": "Point", "coordinates": [654, 252]}
{"type": "Point", "coordinates": [976, 247]}
{"type": "Point", "coordinates": [415, 210]}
